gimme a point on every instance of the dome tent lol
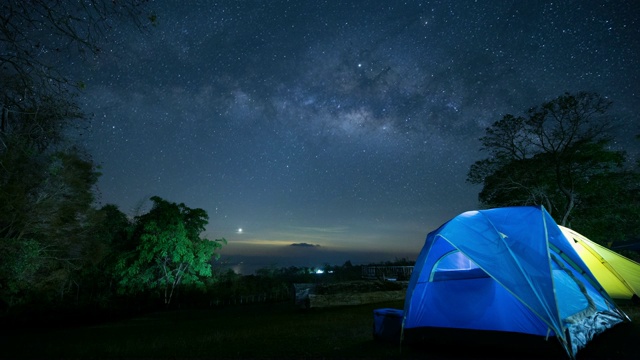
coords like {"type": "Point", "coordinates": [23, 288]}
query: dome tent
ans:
{"type": "Point", "coordinates": [506, 270]}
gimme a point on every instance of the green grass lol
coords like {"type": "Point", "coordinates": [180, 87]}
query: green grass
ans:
{"type": "Point", "coordinates": [255, 331]}
{"type": "Point", "coordinates": [272, 330]}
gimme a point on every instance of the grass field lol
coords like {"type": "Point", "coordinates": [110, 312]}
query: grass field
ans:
{"type": "Point", "coordinates": [261, 331]}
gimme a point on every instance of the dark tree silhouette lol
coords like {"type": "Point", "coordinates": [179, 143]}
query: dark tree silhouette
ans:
{"type": "Point", "coordinates": [555, 155]}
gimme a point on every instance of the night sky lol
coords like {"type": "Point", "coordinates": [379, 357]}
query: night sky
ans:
{"type": "Point", "coordinates": [346, 128]}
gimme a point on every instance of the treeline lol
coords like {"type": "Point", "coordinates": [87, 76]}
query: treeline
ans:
{"type": "Point", "coordinates": [271, 284]}
{"type": "Point", "coordinates": [102, 292]}
{"type": "Point", "coordinates": [104, 263]}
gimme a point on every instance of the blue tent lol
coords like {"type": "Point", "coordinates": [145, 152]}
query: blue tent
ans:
{"type": "Point", "coordinates": [507, 270]}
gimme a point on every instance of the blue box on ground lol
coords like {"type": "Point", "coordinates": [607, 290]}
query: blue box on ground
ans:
{"type": "Point", "coordinates": [387, 324]}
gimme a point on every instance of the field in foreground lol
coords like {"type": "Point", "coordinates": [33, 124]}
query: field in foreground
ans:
{"type": "Point", "coordinates": [270, 331]}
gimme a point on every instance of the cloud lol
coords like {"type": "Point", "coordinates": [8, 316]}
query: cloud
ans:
{"type": "Point", "coordinates": [318, 229]}
{"type": "Point", "coordinates": [305, 245]}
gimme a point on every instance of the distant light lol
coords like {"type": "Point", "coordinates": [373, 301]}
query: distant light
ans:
{"type": "Point", "coordinates": [319, 271]}
{"type": "Point", "coordinates": [239, 230]}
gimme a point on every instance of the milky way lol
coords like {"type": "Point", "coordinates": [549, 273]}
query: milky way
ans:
{"type": "Point", "coordinates": [348, 125]}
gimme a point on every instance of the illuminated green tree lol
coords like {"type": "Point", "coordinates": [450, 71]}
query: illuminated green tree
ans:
{"type": "Point", "coordinates": [169, 250]}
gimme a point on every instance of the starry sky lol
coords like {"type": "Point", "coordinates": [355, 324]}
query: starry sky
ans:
{"type": "Point", "coordinates": [318, 132]}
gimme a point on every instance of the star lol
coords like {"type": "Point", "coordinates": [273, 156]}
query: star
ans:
{"type": "Point", "coordinates": [337, 123]}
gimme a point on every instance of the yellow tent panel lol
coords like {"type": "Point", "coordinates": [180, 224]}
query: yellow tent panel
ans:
{"type": "Point", "coordinates": [618, 275]}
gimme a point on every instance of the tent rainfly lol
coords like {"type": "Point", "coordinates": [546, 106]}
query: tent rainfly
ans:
{"type": "Point", "coordinates": [506, 270]}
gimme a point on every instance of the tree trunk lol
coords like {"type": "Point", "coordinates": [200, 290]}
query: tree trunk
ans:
{"type": "Point", "coordinates": [568, 209]}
